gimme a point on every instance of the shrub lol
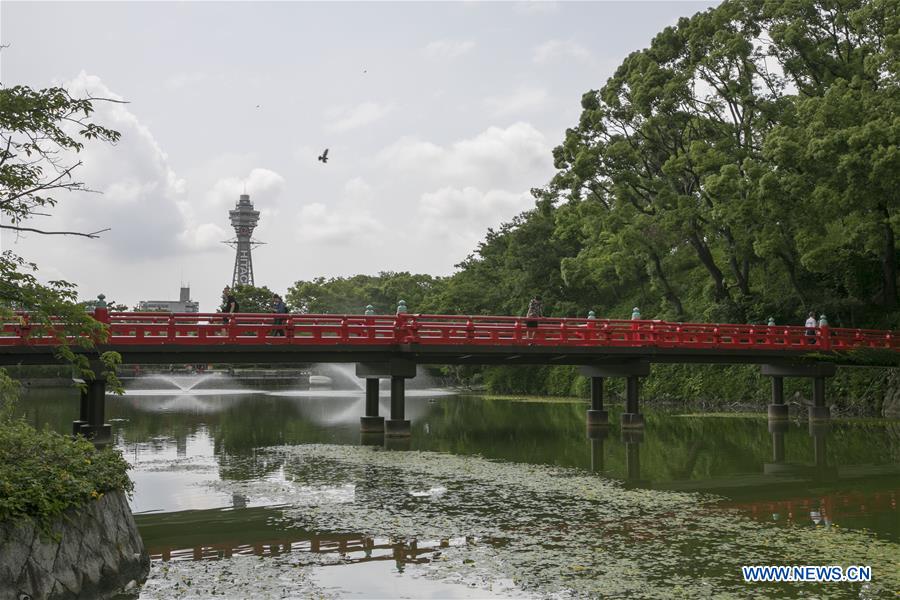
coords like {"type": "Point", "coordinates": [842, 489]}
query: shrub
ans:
{"type": "Point", "coordinates": [43, 473]}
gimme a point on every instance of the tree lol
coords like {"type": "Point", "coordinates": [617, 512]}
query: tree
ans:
{"type": "Point", "coordinates": [351, 295]}
{"type": "Point", "coordinates": [41, 131]}
{"type": "Point", "coordinates": [253, 299]}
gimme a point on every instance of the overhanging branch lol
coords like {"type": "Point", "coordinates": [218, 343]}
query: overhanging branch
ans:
{"type": "Point", "coordinates": [92, 235]}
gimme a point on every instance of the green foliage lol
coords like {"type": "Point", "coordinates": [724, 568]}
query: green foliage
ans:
{"type": "Point", "coordinates": [44, 473]}
{"type": "Point", "coordinates": [744, 165]}
{"type": "Point", "coordinates": [252, 299]}
{"type": "Point", "coordinates": [40, 130]}
{"type": "Point", "coordinates": [9, 394]}
{"type": "Point", "coordinates": [351, 295]}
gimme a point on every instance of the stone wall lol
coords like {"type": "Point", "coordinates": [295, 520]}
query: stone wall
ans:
{"type": "Point", "coordinates": [95, 552]}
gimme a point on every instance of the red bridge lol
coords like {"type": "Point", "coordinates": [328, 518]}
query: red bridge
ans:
{"type": "Point", "coordinates": [392, 346]}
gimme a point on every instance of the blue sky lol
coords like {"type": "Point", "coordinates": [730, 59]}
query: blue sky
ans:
{"type": "Point", "coordinates": [439, 118]}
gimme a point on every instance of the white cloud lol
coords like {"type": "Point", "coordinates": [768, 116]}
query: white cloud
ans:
{"type": "Point", "coordinates": [141, 196]}
{"type": "Point", "coordinates": [448, 48]}
{"type": "Point", "coordinates": [521, 101]}
{"type": "Point", "coordinates": [206, 236]}
{"type": "Point", "coordinates": [357, 190]}
{"type": "Point", "coordinates": [554, 50]}
{"type": "Point", "coordinates": [344, 118]}
{"type": "Point", "coordinates": [261, 184]}
{"type": "Point", "coordinates": [345, 226]}
{"type": "Point", "coordinates": [495, 158]}
{"type": "Point", "coordinates": [461, 216]}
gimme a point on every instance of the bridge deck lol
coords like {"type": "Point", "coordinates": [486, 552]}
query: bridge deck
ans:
{"type": "Point", "coordinates": [161, 337]}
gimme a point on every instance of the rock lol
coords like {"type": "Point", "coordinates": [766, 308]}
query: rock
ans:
{"type": "Point", "coordinates": [95, 553]}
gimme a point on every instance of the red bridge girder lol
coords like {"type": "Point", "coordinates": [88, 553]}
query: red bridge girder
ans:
{"type": "Point", "coordinates": [248, 329]}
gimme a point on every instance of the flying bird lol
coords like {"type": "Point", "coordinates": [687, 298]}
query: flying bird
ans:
{"type": "Point", "coordinates": [324, 156]}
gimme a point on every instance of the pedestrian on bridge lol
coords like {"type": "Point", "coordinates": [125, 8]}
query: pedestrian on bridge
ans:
{"type": "Point", "coordinates": [535, 311]}
{"type": "Point", "coordinates": [279, 308]}
{"type": "Point", "coordinates": [231, 305]}
{"type": "Point", "coordinates": [811, 325]}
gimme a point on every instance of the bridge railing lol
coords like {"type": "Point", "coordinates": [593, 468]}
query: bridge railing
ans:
{"type": "Point", "coordinates": [481, 330]}
{"type": "Point", "coordinates": [154, 328]}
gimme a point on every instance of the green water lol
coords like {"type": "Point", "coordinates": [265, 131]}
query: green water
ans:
{"type": "Point", "coordinates": [247, 493]}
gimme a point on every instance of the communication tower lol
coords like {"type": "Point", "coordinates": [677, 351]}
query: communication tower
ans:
{"type": "Point", "coordinates": [244, 220]}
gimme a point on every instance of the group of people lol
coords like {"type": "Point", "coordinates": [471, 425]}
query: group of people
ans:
{"type": "Point", "coordinates": [230, 306]}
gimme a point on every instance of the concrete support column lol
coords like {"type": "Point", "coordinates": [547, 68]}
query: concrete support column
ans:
{"type": "Point", "coordinates": [397, 425]}
{"type": "Point", "coordinates": [82, 411]}
{"type": "Point", "coordinates": [818, 411]}
{"type": "Point", "coordinates": [95, 399]}
{"type": "Point", "coordinates": [596, 416]}
{"type": "Point", "coordinates": [371, 422]}
{"type": "Point", "coordinates": [817, 371]}
{"type": "Point", "coordinates": [778, 409]}
{"type": "Point", "coordinates": [632, 416]}
{"type": "Point", "coordinates": [399, 371]}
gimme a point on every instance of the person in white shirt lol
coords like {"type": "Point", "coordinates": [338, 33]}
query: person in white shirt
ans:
{"type": "Point", "coordinates": [811, 328]}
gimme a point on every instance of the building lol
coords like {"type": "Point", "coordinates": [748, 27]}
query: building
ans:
{"type": "Point", "coordinates": [184, 304]}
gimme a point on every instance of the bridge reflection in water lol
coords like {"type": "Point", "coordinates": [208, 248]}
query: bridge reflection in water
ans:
{"type": "Point", "coordinates": [348, 549]}
{"type": "Point", "coordinates": [812, 493]}
{"type": "Point", "coordinates": [780, 493]}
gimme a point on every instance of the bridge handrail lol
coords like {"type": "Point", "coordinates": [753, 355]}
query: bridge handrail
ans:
{"type": "Point", "coordinates": [154, 328]}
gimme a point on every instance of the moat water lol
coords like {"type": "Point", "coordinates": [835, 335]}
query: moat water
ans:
{"type": "Point", "coordinates": [243, 493]}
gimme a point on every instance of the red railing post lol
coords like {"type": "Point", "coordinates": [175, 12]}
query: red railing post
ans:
{"type": "Point", "coordinates": [825, 337]}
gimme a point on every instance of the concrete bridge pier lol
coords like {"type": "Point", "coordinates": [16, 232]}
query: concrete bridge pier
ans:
{"type": "Point", "coordinates": [596, 416]}
{"type": "Point", "coordinates": [398, 425]}
{"type": "Point", "coordinates": [816, 371]}
{"type": "Point", "coordinates": [778, 409]}
{"type": "Point", "coordinates": [371, 423]}
{"type": "Point", "coordinates": [92, 409]}
{"type": "Point", "coordinates": [399, 371]}
{"type": "Point", "coordinates": [632, 371]}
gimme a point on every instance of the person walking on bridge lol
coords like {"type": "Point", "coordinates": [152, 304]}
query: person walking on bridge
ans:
{"type": "Point", "coordinates": [811, 325]}
{"type": "Point", "coordinates": [535, 311]}
{"type": "Point", "coordinates": [231, 305]}
{"type": "Point", "coordinates": [279, 308]}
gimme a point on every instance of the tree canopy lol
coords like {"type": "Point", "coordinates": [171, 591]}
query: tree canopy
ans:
{"type": "Point", "coordinates": [743, 165]}
{"type": "Point", "coordinates": [41, 133]}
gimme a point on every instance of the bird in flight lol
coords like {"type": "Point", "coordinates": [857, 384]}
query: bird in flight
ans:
{"type": "Point", "coordinates": [324, 156]}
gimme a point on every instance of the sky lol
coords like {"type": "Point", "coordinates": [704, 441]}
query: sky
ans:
{"type": "Point", "coordinates": [439, 118]}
